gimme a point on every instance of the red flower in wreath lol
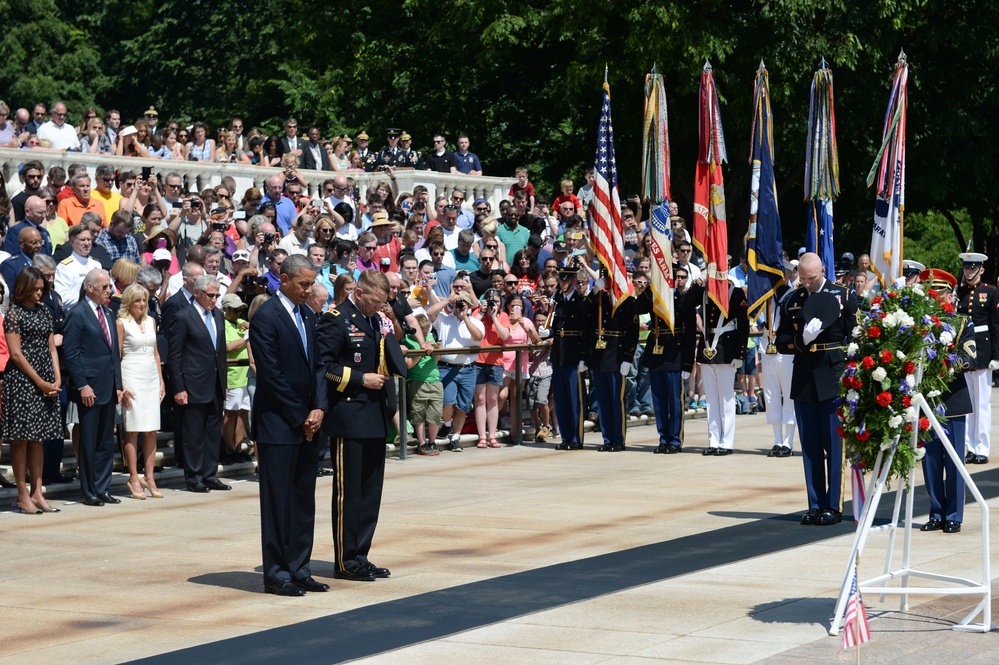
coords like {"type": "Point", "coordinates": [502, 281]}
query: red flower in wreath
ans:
{"type": "Point", "coordinates": [842, 434]}
{"type": "Point", "coordinates": [906, 401]}
{"type": "Point", "coordinates": [884, 398]}
{"type": "Point", "coordinates": [908, 427]}
{"type": "Point", "coordinates": [867, 362]}
{"type": "Point", "coordinates": [863, 436]}
{"type": "Point", "coordinates": [910, 368]}
{"type": "Point", "coordinates": [874, 332]}
{"type": "Point", "coordinates": [924, 424]}
{"type": "Point", "coordinates": [886, 356]}
{"type": "Point", "coordinates": [948, 307]}
{"type": "Point", "coordinates": [856, 383]}
{"type": "Point", "coordinates": [876, 301]}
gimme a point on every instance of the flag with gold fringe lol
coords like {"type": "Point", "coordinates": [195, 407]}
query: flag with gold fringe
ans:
{"type": "Point", "coordinates": [821, 169]}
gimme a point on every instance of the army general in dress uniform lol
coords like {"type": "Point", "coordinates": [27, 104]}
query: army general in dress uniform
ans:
{"type": "Point", "coordinates": [570, 347]}
{"type": "Point", "coordinates": [719, 350]}
{"type": "Point", "coordinates": [980, 303]}
{"type": "Point", "coordinates": [359, 361]}
{"type": "Point", "coordinates": [663, 357]}
{"type": "Point", "coordinates": [818, 342]}
{"type": "Point", "coordinates": [612, 351]}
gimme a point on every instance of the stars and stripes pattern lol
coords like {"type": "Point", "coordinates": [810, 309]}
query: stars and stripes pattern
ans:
{"type": "Point", "coordinates": [608, 239]}
{"type": "Point", "coordinates": [855, 627]}
{"type": "Point", "coordinates": [888, 173]}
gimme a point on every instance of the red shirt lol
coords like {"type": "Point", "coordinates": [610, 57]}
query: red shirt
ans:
{"type": "Point", "coordinates": [492, 338]}
{"type": "Point", "coordinates": [515, 187]}
{"type": "Point", "coordinates": [389, 250]}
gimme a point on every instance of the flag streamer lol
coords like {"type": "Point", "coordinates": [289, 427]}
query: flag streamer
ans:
{"type": "Point", "coordinates": [656, 157]}
{"type": "Point", "coordinates": [765, 247]}
{"type": "Point", "coordinates": [821, 169]}
{"type": "Point", "coordinates": [608, 238]}
{"type": "Point", "coordinates": [710, 232]}
{"type": "Point", "coordinates": [888, 177]}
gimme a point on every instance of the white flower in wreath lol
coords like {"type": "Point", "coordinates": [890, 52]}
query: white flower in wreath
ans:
{"type": "Point", "coordinates": [852, 349]}
{"type": "Point", "coordinates": [857, 332]}
{"type": "Point", "coordinates": [879, 374]}
{"type": "Point", "coordinates": [904, 319]}
{"type": "Point", "coordinates": [852, 396]}
{"type": "Point", "coordinates": [911, 380]}
{"type": "Point", "coordinates": [920, 453]}
{"type": "Point", "coordinates": [918, 290]}
{"type": "Point", "coordinates": [910, 413]}
{"type": "Point", "coordinates": [946, 338]}
{"type": "Point", "coordinates": [900, 355]}
{"type": "Point", "coordinates": [890, 320]}
{"type": "Point", "coordinates": [933, 393]}
{"type": "Point", "coordinates": [895, 421]}
{"type": "Point", "coordinates": [899, 282]}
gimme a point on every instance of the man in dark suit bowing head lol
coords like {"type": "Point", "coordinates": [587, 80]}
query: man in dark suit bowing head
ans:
{"type": "Point", "coordinates": [359, 361]}
{"type": "Point", "coordinates": [90, 350]}
{"type": "Point", "coordinates": [198, 366]}
{"type": "Point", "coordinates": [288, 409]}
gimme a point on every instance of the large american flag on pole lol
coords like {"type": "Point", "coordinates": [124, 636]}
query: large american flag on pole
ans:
{"type": "Point", "coordinates": [855, 628]}
{"type": "Point", "coordinates": [608, 240]}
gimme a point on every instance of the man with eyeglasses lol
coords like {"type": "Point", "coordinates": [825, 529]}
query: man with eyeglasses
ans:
{"type": "Point", "coordinates": [236, 127]}
{"type": "Point", "coordinates": [284, 207]}
{"type": "Point", "coordinates": [314, 156]}
{"type": "Point", "coordinates": [510, 283]}
{"type": "Point", "coordinates": [37, 118]}
{"type": "Point", "coordinates": [468, 162]}
{"type": "Point", "coordinates": [441, 159]}
{"type": "Point", "coordinates": [482, 206]}
{"type": "Point", "coordinates": [273, 274]}
{"type": "Point", "coordinates": [465, 218]}
{"type": "Point", "coordinates": [290, 143]}
{"type": "Point", "coordinates": [392, 155]}
{"type": "Point", "coordinates": [197, 359]}
{"type": "Point", "coordinates": [414, 159]}
{"type": "Point", "coordinates": [60, 134]}
{"type": "Point", "coordinates": [684, 254]}
{"type": "Point", "coordinates": [570, 332]}
{"type": "Point", "coordinates": [337, 191]}
{"type": "Point", "coordinates": [104, 193]}
{"type": "Point", "coordinates": [481, 279]}
{"type": "Point", "coordinates": [300, 238]}
{"type": "Point", "coordinates": [445, 274]}
{"type": "Point", "coordinates": [511, 233]}
{"type": "Point", "coordinates": [31, 173]}
{"type": "Point", "coordinates": [72, 209]}
{"type": "Point", "coordinates": [93, 363]}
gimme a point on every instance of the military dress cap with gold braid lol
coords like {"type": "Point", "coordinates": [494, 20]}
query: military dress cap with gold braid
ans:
{"type": "Point", "coordinates": [973, 257]}
{"type": "Point", "coordinates": [935, 278]}
{"type": "Point", "coordinates": [910, 268]}
{"type": "Point", "coordinates": [363, 136]}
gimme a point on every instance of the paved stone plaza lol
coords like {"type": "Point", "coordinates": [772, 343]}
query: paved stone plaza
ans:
{"type": "Point", "coordinates": [512, 555]}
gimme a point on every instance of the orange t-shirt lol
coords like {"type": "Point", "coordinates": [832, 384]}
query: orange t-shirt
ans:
{"type": "Point", "coordinates": [72, 210]}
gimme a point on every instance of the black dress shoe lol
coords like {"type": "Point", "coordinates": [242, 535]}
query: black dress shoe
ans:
{"type": "Point", "coordinates": [375, 571]}
{"type": "Point", "coordinates": [783, 451]}
{"type": "Point", "coordinates": [773, 451]}
{"type": "Point", "coordinates": [358, 574]}
{"type": "Point", "coordinates": [969, 458]}
{"type": "Point", "coordinates": [710, 451]}
{"type": "Point", "coordinates": [200, 488]}
{"type": "Point", "coordinates": [216, 484]}
{"type": "Point", "coordinates": [91, 501]}
{"type": "Point", "coordinates": [107, 498]}
{"type": "Point", "coordinates": [951, 526]}
{"type": "Point", "coordinates": [980, 459]}
{"type": "Point", "coordinates": [932, 525]}
{"type": "Point", "coordinates": [285, 588]}
{"type": "Point", "coordinates": [723, 451]}
{"type": "Point", "coordinates": [309, 584]}
{"type": "Point", "coordinates": [672, 449]}
{"type": "Point", "coordinates": [828, 516]}
{"type": "Point", "coordinates": [615, 448]}
{"type": "Point", "coordinates": [60, 479]}
{"type": "Point", "coordinates": [661, 449]}
{"type": "Point", "coordinates": [604, 448]}
{"type": "Point", "coordinates": [810, 517]}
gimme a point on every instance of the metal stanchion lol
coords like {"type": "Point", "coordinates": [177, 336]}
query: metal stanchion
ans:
{"type": "Point", "coordinates": [516, 417]}
{"type": "Point", "coordinates": [403, 412]}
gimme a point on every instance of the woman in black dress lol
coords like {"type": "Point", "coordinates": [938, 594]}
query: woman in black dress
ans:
{"type": "Point", "coordinates": [31, 387]}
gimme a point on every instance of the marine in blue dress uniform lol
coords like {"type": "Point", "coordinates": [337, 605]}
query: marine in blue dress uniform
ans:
{"type": "Point", "coordinates": [612, 350]}
{"type": "Point", "coordinates": [663, 357]}
{"type": "Point", "coordinates": [818, 344]}
{"type": "Point", "coordinates": [944, 483]}
{"type": "Point", "coordinates": [570, 348]}
{"type": "Point", "coordinates": [358, 362]}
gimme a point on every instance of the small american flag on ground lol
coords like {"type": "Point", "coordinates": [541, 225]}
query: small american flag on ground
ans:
{"type": "Point", "coordinates": [855, 628]}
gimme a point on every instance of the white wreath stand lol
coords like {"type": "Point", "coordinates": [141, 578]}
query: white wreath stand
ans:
{"type": "Point", "coordinates": [879, 584]}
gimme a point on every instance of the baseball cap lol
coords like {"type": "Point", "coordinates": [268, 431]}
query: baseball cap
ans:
{"type": "Point", "coordinates": [241, 255]}
{"type": "Point", "coordinates": [162, 254]}
{"type": "Point", "coordinates": [232, 301]}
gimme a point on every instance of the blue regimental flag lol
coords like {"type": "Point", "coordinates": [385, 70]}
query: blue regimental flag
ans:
{"type": "Point", "coordinates": [661, 279]}
{"type": "Point", "coordinates": [819, 232]}
{"type": "Point", "coordinates": [765, 249]}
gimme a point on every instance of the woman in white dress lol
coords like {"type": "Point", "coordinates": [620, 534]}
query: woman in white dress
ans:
{"type": "Point", "coordinates": [143, 390]}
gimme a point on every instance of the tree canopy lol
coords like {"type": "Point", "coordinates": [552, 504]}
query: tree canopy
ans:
{"type": "Point", "coordinates": [522, 78]}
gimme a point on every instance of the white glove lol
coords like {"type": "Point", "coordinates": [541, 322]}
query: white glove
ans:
{"type": "Point", "coordinates": [544, 333]}
{"type": "Point", "coordinates": [684, 375]}
{"type": "Point", "coordinates": [811, 331]}
{"type": "Point", "coordinates": [736, 364]}
{"type": "Point", "coordinates": [582, 366]}
{"type": "Point", "coordinates": [598, 284]}
{"type": "Point", "coordinates": [625, 368]}
{"type": "Point", "coordinates": [994, 365]}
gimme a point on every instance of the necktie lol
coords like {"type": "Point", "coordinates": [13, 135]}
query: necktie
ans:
{"type": "Point", "coordinates": [301, 329]}
{"type": "Point", "coordinates": [210, 324]}
{"type": "Point", "coordinates": [192, 300]}
{"type": "Point", "coordinates": [104, 324]}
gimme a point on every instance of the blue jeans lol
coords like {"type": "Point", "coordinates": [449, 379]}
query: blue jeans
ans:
{"type": "Point", "coordinates": [459, 385]}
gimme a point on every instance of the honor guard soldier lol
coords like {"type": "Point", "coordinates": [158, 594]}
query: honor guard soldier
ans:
{"type": "Point", "coordinates": [612, 350]}
{"type": "Point", "coordinates": [359, 361]}
{"type": "Point", "coordinates": [413, 158]}
{"type": "Point", "coordinates": [663, 357]}
{"type": "Point", "coordinates": [775, 368]}
{"type": "Point", "coordinates": [392, 155]}
{"type": "Point", "coordinates": [719, 350]}
{"type": "Point", "coordinates": [568, 327]}
{"type": "Point", "coordinates": [980, 303]}
{"type": "Point", "coordinates": [912, 271]}
{"type": "Point", "coordinates": [944, 483]}
{"type": "Point", "coordinates": [364, 151]}
{"type": "Point", "coordinates": [815, 323]}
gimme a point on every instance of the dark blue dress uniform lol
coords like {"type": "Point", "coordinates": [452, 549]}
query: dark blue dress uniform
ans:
{"type": "Point", "coordinates": [394, 159]}
{"type": "Point", "coordinates": [351, 345]}
{"type": "Point", "coordinates": [663, 357]}
{"type": "Point", "coordinates": [815, 380]}
{"type": "Point", "coordinates": [944, 483]}
{"type": "Point", "coordinates": [570, 346]}
{"type": "Point", "coordinates": [614, 337]}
